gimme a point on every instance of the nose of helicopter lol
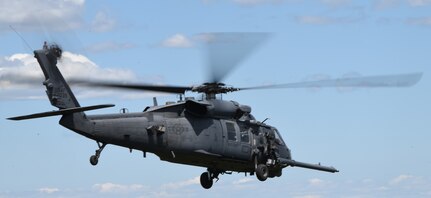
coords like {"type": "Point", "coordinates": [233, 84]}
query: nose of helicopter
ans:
{"type": "Point", "coordinates": [289, 154]}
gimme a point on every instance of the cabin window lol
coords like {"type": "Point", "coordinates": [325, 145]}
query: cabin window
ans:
{"type": "Point", "coordinates": [231, 132]}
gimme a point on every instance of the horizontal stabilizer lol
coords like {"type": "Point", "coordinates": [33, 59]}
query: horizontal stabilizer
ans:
{"type": "Point", "coordinates": [61, 112]}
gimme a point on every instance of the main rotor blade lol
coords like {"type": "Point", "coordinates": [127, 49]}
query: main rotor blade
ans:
{"type": "Point", "coordinates": [226, 50]}
{"type": "Point", "coordinates": [400, 80]}
{"type": "Point", "coordinates": [147, 87]}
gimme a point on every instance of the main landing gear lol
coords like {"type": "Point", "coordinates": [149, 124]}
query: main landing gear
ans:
{"type": "Point", "coordinates": [207, 178]}
{"type": "Point", "coordinates": [262, 172]}
{"type": "Point", "coordinates": [94, 159]}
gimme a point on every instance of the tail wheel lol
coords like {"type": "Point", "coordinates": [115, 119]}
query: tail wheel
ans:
{"type": "Point", "coordinates": [94, 159]}
{"type": "Point", "coordinates": [262, 172]}
{"type": "Point", "coordinates": [206, 180]}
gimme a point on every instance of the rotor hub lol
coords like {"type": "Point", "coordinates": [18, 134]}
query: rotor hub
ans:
{"type": "Point", "coordinates": [214, 88]}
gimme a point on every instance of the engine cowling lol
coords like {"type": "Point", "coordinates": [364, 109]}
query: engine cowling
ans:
{"type": "Point", "coordinates": [217, 108]}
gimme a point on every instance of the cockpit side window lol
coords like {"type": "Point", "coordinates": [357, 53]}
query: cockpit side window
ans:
{"type": "Point", "coordinates": [244, 136]}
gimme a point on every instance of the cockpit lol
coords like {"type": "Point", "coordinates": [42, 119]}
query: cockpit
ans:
{"type": "Point", "coordinates": [278, 138]}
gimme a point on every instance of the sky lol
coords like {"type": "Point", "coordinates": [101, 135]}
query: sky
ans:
{"type": "Point", "coordinates": [377, 137]}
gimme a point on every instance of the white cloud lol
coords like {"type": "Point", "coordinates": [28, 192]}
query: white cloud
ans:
{"type": "Point", "coordinates": [316, 20]}
{"type": "Point", "coordinates": [118, 188]}
{"type": "Point", "coordinates": [19, 71]}
{"type": "Point", "coordinates": [181, 184]}
{"type": "Point", "coordinates": [403, 185]}
{"type": "Point", "coordinates": [37, 14]}
{"type": "Point", "coordinates": [399, 179]}
{"type": "Point", "coordinates": [102, 22]}
{"type": "Point", "coordinates": [177, 41]}
{"type": "Point", "coordinates": [417, 3]}
{"type": "Point", "coordinates": [20, 74]}
{"type": "Point", "coordinates": [327, 20]}
{"type": "Point", "coordinates": [244, 180]}
{"type": "Point", "coordinates": [48, 190]}
{"type": "Point", "coordinates": [308, 196]}
{"type": "Point", "coordinates": [174, 189]}
{"type": "Point", "coordinates": [315, 182]}
{"type": "Point", "coordinates": [75, 66]}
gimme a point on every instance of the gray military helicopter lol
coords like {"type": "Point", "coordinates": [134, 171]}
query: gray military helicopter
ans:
{"type": "Point", "coordinates": [222, 136]}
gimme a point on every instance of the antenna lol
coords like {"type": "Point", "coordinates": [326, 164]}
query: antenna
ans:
{"type": "Point", "coordinates": [155, 101]}
{"type": "Point", "coordinates": [22, 38]}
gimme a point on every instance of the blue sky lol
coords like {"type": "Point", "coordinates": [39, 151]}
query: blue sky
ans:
{"type": "Point", "coordinates": [377, 138]}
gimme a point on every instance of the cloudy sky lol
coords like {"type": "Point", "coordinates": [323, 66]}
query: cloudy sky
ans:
{"type": "Point", "coordinates": [377, 138]}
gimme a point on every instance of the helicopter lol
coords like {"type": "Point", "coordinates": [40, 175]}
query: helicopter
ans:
{"type": "Point", "coordinates": [221, 136]}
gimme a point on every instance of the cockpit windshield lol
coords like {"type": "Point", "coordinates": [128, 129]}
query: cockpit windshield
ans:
{"type": "Point", "coordinates": [278, 138]}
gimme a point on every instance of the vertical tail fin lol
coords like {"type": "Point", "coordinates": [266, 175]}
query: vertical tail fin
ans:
{"type": "Point", "coordinates": [60, 95]}
{"type": "Point", "coordinates": [58, 91]}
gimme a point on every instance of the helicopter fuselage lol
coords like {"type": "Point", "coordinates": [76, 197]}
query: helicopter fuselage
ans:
{"type": "Point", "coordinates": [175, 135]}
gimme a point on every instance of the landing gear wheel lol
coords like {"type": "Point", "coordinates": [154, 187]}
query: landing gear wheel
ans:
{"type": "Point", "coordinates": [206, 180]}
{"type": "Point", "coordinates": [94, 159]}
{"type": "Point", "coordinates": [262, 172]}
